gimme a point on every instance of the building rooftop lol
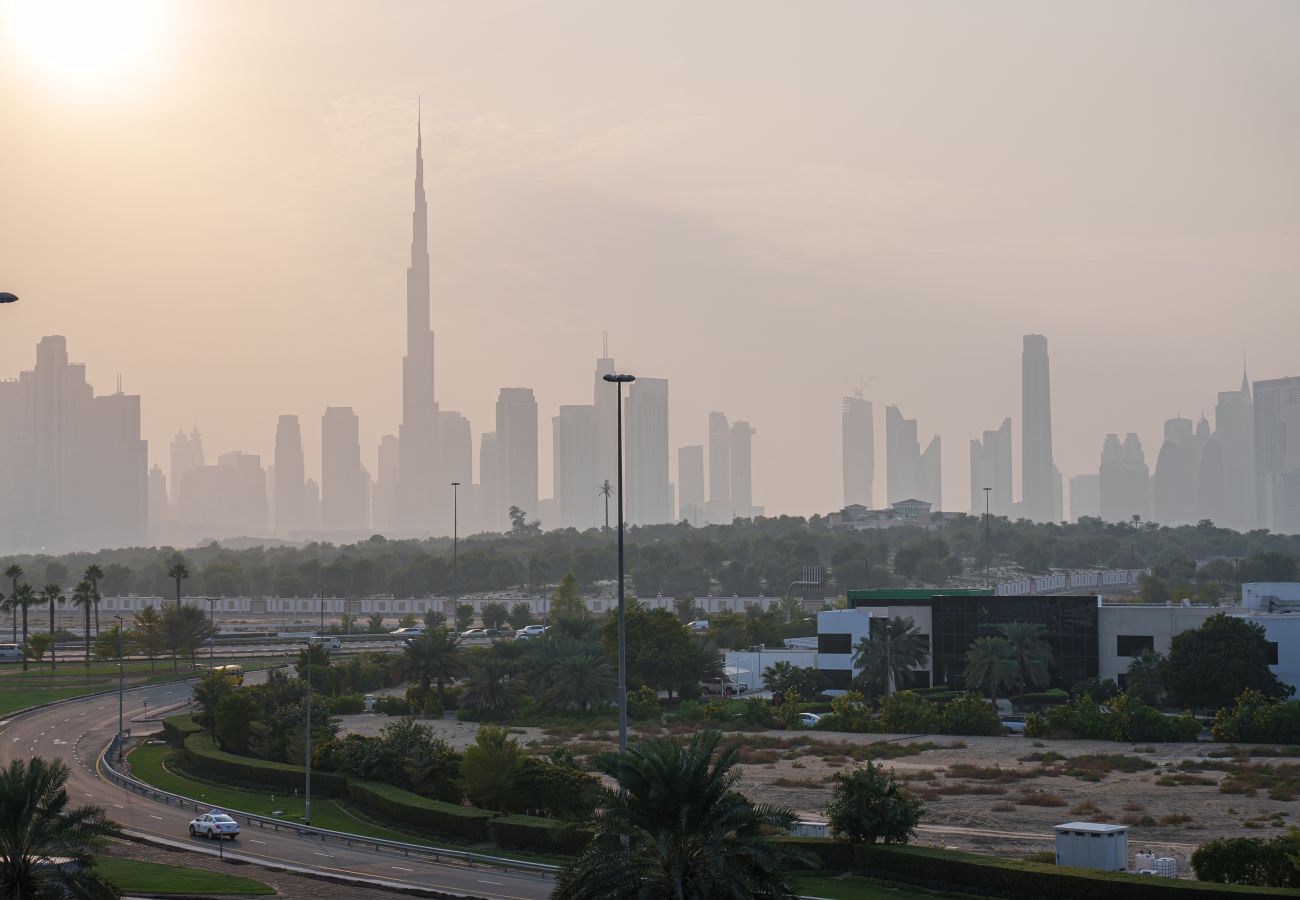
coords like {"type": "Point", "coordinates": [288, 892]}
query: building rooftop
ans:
{"type": "Point", "coordinates": [1091, 827]}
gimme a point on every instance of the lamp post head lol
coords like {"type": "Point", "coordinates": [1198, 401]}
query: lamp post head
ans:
{"type": "Point", "coordinates": [455, 484]}
{"type": "Point", "coordinates": [6, 297]}
{"type": "Point", "coordinates": [619, 379]}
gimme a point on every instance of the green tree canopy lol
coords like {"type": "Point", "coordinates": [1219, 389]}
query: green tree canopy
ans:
{"type": "Point", "coordinates": [1208, 667]}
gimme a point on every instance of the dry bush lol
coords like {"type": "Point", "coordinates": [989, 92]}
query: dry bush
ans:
{"type": "Point", "coordinates": [1134, 806]}
{"type": "Point", "coordinates": [1174, 819]}
{"type": "Point", "coordinates": [1038, 799]}
{"type": "Point", "coordinates": [1086, 808]}
{"type": "Point", "coordinates": [1002, 807]}
{"type": "Point", "coordinates": [989, 773]}
{"type": "Point", "coordinates": [797, 782]}
{"type": "Point", "coordinates": [1182, 779]}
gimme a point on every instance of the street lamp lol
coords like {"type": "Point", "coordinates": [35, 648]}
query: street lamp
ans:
{"type": "Point", "coordinates": [306, 819]}
{"type": "Point", "coordinates": [212, 627]}
{"type": "Point", "coordinates": [320, 588]}
{"type": "Point", "coordinates": [121, 687]}
{"type": "Point", "coordinates": [618, 381]}
{"type": "Point", "coordinates": [6, 297]}
{"type": "Point", "coordinates": [455, 544]}
{"type": "Point", "coordinates": [987, 490]}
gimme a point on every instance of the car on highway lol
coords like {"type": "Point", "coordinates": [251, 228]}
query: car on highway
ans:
{"type": "Point", "coordinates": [329, 641]}
{"type": "Point", "coordinates": [409, 631]}
{"type": "Point", "coordinates": [474, 633]}
{"type": "Point", "coordinates": [530, 631]}
{"type": "Point", "coordinates": [495, 633]}
{"type": "Point", "coordinates": [10, 651]}
{"type": "Point", "coordinates": [214, 824]}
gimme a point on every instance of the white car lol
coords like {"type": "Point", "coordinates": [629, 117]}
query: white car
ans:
{"type": "Point", "coordinates": [409, 631]}
{"type": "Point", "coordinates": [214, 825]}
{"type": "Point", "coordinates": [331, 642]}
{"type": "Point", "coordinates": [530, 631]}
{"type": "Point", "coordinates": [809, 720]}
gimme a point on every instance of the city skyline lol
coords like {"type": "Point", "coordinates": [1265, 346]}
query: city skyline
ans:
{"type": "Point", "coordinates": [295, 252]}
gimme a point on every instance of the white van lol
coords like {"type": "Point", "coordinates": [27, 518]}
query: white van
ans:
{"type": "Point", "coordinates": [10, 651]}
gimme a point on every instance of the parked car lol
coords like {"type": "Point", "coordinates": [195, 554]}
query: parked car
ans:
{"type": "Point", "coordinates": [10, 651]}
{"type": "Point", "coordinates": [809, 719]}
{"type": "Point", "coordinates": [698, 625]}
{"type": "Point", "coordinates": [495, 633]}
{"type": "Point", "coordinates": [214, 825]}
{"type": "Point", "coordinates": [725, 687]}
{"type": "Point", "coordinates": [530, 631]}
{"type": "Point", "coordinates": [1014, 724]}
{"type": "Point", "coordinates": [409, 631]}
{"type": "Point", "coordinates": [473, 633]}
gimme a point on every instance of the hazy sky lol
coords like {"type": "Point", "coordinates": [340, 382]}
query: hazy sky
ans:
{"type": "Point", "coordinates": [762, 202]}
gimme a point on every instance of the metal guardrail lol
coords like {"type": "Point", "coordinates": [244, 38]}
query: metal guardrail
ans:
{"type": "Point", "coordinates": [379, 845]}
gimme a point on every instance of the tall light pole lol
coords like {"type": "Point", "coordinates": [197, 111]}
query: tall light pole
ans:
{"type": "Point", "coordinates": [987, 581]}
{"type": "Point", "coordinates": [455, 545]}
{"type": "Point", "coordinates": [320, 588]}
{"type": "Point", "coordinates": [121, 687]}
{"type": "Point", "coordinates": [212, 627]}
{"type": "Point", "coordinates": [306, 818]}
{"type": "Point", "coordinates": [618, 381]}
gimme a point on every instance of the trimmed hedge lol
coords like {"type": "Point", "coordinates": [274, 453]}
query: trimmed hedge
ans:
{"type": "Point", "coordinates": [176, 729]}
{"type": "Point", "coordinates": [201, 755]}
{"type": "Point", "coordinates": [538, 834]}
{"type": "Point", "coordinates": [832, 856]}
{"type": "Point", "coordinates": [1019, 879]}
{"type": "Point", "coordinates": [412, 809]}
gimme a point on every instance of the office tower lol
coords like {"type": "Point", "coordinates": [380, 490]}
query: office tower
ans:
{"type": "Point", "coordinates": [311, 493]}
{"type": "Point", "coordinates": [245, 491]}
{"type": "Point", "coordinates": [344, 486]}
{"type": "Point", "coordinates": [516, 454]}
{"type": "Point", "coordinates": [605, 400]}
{"type": "Point", "coordinates": [574, 438]}
{"type": "Point", "coordinates": [1234, 430]}
{"type": "Point", "coordinates": [186, 454]}
{"type": "Point", "coordinates": [690, 484]}
{"type": "Point", "coordinates": [490, 517]}
{"type": "Point", "coordinates": [1037, 490]}
{"type": "Point", "coordinates": [1124, 480]}
{"type": "Point", "coordinates": [225, 500]}
{"type": "Point", "coordinates": [857, 450]}
{"type": "Point", "coordinates": [115, 464]}
{"type": "Point", "coordinates": [417, 437]}
{"type": "Point", "coordinates": [1174, 485]}
{"type": "Point", "coordinates": [290, 477]}
{"type": "Point", "coordinates": [456, 463]}
{"type": "Point", "coordinates": [649, 495]}
{"type": "Point", "coordinates": [1277, 417]}
{"type": "Point", "coordinates": [990, 467]}
{"type": "Point", "coordinates": [911, 475]}
{"type": "Point", "coordinates": [742, 470]}
{"type": "Point", "coordinates": [1085, 497]}
{"type": "Point", "coordinates": [159, 509]}
{"type": "Point", "coordinates": [383, 496]}
{"type": "Point", "coordinates": [720, 510]}
{"type": "Point", "coordinates": [1210, 483]}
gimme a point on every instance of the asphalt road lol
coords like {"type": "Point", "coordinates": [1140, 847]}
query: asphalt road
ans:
{"type": "Point", "coordinates": [77, 732]}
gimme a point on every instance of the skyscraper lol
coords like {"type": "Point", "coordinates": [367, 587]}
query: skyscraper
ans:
{"type": "Point", "coordinates": [857, 450]}
{"type": "Point", "coordinates": [456, 455]}
{"type": "Point", "coordinates": [742, 469]}
{"type": "Point", "coordinates": [418, 433]}
{"type": "Point", "coordinates": [290, 477]}
{"type": "Point", "coordinates": [383, 497]}
{"type": "Point", "coordinates": [1234, 430]}
{"type": "Point", "coordinates": [606, 402]}
{"type": "Point", "coordinates": [1085, 496]}
{"type": "Point", "coordinates": [1175, 483]}
{"type": "Point", "coordinates": [990, 467]}
{"type": "Point", "coordinates": [649, 495]}
{"type": "Point", "coordinates": [574, 438]}
{"type": "Point", "coordinates": [929, 474]}
{"type": "Point", "coordinates": [516, 454]}
{"type": "Point", "coordinates": [1125, 482]}
{"type": "Point", "coordinates": [720, 510]}
{"type": "Point", "coordinates": [186, 454]}
{"type": "Point", "coordinates": [1277, 459]}
{"type": "Point", "coordinates": [344, 488]}
{"type": "Point", "coordinates": [690, 484]}
{"type": "Point", "coordinates": [490, 515]}
{"type": "Point", "coordinates": [1037, 489]}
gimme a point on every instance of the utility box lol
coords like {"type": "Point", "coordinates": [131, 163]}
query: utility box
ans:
{"type": "Point", "coordinates": [810, 829]}
{"type": "Point", "coordinates": [1092, 845]}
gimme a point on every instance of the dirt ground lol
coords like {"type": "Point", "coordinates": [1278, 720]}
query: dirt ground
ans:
{"type": "Point", "coordinates": [1168, 821]}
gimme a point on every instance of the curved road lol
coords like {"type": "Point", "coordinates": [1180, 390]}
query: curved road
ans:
{"type": "Point", "coordinates": [77, 731]}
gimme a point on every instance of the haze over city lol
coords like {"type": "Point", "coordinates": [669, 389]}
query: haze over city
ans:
{"type": "Point", "coordinates": [768, 206]}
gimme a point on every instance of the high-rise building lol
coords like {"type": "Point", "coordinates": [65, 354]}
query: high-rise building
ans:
{"type": "Point", "coordinates": [345, 487]}
{"type": "Point", "coordinates": [383, 494]}
{"type": "Point", "coordinates": [516, 454]}
{"type": "Point", "coordinates": [186, 454]}
{"type": "Point", "coordinates": [605, 399]}
{"type": "Point", "coordinates": [1037, 491]}
{"type": "Point", "coordinates": [490, 517]}
{"type": "Point", "coordinates": [1124, 480]}
{"type": "Point", "coordinates": [290, 477]}
{"type": "Point", "coordinates": [574, 436]}
{"type": "Point", "coordinates": [690, 484]}
{"type": "Point", "coordinates": [1085, 496]}
{"type": "Point", "coordinates": [990, 467]}
{"type": "Point", "coordinates": [159, 509]}
{"type": "Point", "coordinates": [1234, 431]}
{"type": "Point", "coordinates": [1277, 450]}
{"type": "Point", "coordinates": [742, 470]}
{"type": "Point", "coordinates": [1174, 487]}
{"type": "Point", "coordinates": [418, 434]}
{"type": "Point", "coordinates": [929, 474]}
{"type": "Point", "coordinates": [857, 450]}
{"type": "Point", "coordinates": [911, 475]}
{"type": "Point", "coordinates": [720, 510]}
{"type": "Point", "coordinates": [649, 494]}
{"type": "Point", "coordinates": [456, 460]}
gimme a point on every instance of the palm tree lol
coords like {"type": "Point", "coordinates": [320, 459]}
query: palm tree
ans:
{"type": "Point", "coordinates": [582, 680]}
{"type": "Point", "coordinates": [434, 658]}
{"type": "Point", "coordinates": [1029, 652]}
{"type": "Point", "coordinates": [147, 634]}
{"type": "Point", "coordinates": [13, 573]}
{"type": "Point", "coordinates": [51, 594]}
{"type": "Point", "coordinates": [989, 665]}
{"type": "Point", "coordinates": [94, 574]}
{"type": "Point", "coordinates": [895, 646]}
{"type": "Point", "coordinates": [178, 573]}
{"type": "Point", "coordinates": [23, 598]}
{"type": "Point", "coordinates": [490, 687]}
{"type": "Point", "coordinates": [37, 826]}
{"type": "Point", "coordinates": [605, 490]}
{"type": "Point", "coordinates": [677, 827]}
{"type": "Point", "coordinates": [82, 597]}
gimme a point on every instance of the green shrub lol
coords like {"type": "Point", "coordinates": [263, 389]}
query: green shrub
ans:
{"type": "Point", "coordinates": [538, 835]}
{"type": "Point", "coordinates": [490, 769]}
{"type": "Point", "coordinates": [556, 788]}
{"type": "Point", "coordinates": [970, 714]}
{"type": "Point", "coordinates": [1080, 718]}
{"type": "Point", "coordinates": [643, 705]}
{"type": "Point", "coordinates": [1265, 863]}
{"type": "Point", "coordinates": [1047, 698]}
{"type": "Point", "coordinates": [690, 711]}
{"type": "Point", "coordinates": [201, 755]}
{"type": "Point", "coordinates": [1257, 719]}
{"type": "Point", "coordinates": [757, 712]}
{"type": "Point", "coordinates": [908, 712]}
{"type": "Point", "coordinates": [392, 706]}
{"type": "Point", "coordinates": [346, 704]}
{"type": "Point", "coordinates": [869, 804]}
{"type": "Point", "coordinates": [176, 729]}
{"type": "Point", "coordinates": [438, 816]}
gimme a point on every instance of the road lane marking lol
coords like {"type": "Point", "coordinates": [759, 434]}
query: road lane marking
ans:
{"type": "Point", "coordinates": [401, 869]}
{"type": "Point", "coordinates": [256, 841]}
{"type": "Point", "coordinates": [152, 816]}
{"type": "Point", "coordinates": [497, 883]}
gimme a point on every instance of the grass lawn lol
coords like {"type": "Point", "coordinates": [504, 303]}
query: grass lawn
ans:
{"type": "Point", "coordinates": [851, 887]}
{"type": "Point", "coordinates": [142, 877]}
{"type": "Point", "coordinates": [11, 701]}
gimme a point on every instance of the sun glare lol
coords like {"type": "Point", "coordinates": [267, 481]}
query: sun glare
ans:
{"type": "Point", "coordinates": [84, 40]}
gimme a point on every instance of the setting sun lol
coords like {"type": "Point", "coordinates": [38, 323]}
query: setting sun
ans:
{"type": "Point", "coordinates": [84, 40]}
